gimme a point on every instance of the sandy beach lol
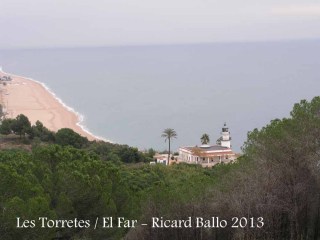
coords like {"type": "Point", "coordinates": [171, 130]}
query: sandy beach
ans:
{"type": "Point", "coordinates": [24, 96]}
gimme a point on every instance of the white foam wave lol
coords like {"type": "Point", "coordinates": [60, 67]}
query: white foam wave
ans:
{"type": "Point", "coordinates": [80, 117]}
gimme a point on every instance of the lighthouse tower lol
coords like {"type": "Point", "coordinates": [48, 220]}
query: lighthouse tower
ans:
{"type": "Point", "coordinates": [225, 137]}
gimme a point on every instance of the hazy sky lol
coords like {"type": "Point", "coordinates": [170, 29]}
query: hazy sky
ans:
{"type": "Point", "coordinates": [54, 23]}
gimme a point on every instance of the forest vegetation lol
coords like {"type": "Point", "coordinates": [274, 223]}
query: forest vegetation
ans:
{"type": "Point", "coordinates": [64, 176]}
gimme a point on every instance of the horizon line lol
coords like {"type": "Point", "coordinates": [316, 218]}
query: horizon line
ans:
{"type": "Point", "coordinates": [160, 44]}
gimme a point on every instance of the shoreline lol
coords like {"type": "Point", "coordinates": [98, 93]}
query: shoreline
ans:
{"type": "Point", "coordinates": [37, 97]}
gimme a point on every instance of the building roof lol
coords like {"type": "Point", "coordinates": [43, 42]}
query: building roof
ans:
{"type": "Point", "coordinates": [214, 154]}
{"type": "Point", "coordinates": [208, 148]}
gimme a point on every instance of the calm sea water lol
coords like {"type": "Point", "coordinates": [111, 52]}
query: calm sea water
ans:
{"type": "Point", "coordinates": [131, 94]}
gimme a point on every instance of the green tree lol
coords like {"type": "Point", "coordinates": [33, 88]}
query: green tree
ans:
{"type": "Point", "coordinates": [285, 154]}
{"type": "Point", "coordinates": [5, 127]}
{"type": "Point", "coordinates": [205, 139]}
{"type": "Point", "coordinates": [168, 134]}
{"type": "Point", "coordinates": [66, 136]}
{"type": "Point", "coordinates": [21, 125]}
{"type": "Point", "coordinates": [43, 133]}
{"type": "Point", "coordinates": [151, 152]}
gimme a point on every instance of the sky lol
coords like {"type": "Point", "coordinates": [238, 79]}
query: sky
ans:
{"type": "Point", "coordinates": [75, 23]}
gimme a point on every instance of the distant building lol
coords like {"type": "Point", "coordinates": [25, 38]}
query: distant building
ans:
{"type": "Point", "coordinates": [163, 159]}
{"type": "Point", "coordinates": [209, 155]}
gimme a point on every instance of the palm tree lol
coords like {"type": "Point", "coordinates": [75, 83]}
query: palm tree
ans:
{"type": "Point", "coordinates": [169, 133]}
{"type": "Point", "coordinates": [205, 139]}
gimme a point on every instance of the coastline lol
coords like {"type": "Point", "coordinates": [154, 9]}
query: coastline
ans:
{"type": "Point", "coordinates": [34, 99]}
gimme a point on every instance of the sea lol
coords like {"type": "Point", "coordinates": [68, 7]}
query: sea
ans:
{"type": "Point", "coordinates": [130, 94]}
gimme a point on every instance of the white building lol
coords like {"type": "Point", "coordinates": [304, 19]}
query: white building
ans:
{"type": "Point", "coordinates": [162, 159]}
{"type": "Point", "coordinates": [225, 137]}
{"type": "Point", "coordinates": [209, 155]}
